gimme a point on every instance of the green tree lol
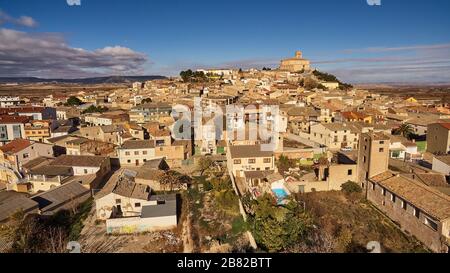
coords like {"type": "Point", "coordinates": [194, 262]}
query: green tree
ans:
{"type": "Point", "coordinates": [74, 101]}
{"type": "Point", "coordinates": [284, 164]}
{"type": "Point", "coordinates": [322, 76]}
{"type": "Point", "coordinates": [95, 109]}
{"type": "Point", "coordinates": [204, 163]}
{"type": "Point", "coordinates": [190, 76]}
{"type": "Point", "coordinates": [404, 130]}
{"type": "Point", "coordinates": [171, 180]}
{"type": "Point", "coordinates": [277, 228]}
{"type": "Point", "coordinates": [323, 87]}
{"type": "Point", "coordinates": [310, 83]}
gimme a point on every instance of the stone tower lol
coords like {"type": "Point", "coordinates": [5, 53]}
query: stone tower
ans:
{"type": "Point", "coordinates": [373, 156]}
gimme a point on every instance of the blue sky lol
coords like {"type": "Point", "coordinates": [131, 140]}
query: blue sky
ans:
{"type": "Point", "coordinates": [399, 41]}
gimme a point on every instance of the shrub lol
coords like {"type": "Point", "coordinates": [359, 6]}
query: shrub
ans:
{"type": "Point", "coordinates": [221, 184]}
{"type": "Point", "coordinates": [238, 225]}
{"type": "Point", "coordinates": [207, 186]}
{"type": "Point", "coordinates": [351, 187]}
{"type": "Point", "coordinates": [227, 199]}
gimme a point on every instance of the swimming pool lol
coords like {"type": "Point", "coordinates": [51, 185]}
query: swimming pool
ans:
{"type": "Point", "coordinates": [280, 194]}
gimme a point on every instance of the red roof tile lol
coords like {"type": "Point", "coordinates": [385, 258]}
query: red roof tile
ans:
{"type": "Point", "coordinates": [445, 125]}
{"type": "Point", "coordinates": [15, 146]}
{"type": "Point", "coordinates": [14, 119]}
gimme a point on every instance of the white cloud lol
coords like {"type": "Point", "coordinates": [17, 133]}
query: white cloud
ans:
{"type": "Point", "coordinates": [48, 55]}
{"type": "Point", "coordinates": [25, 21]}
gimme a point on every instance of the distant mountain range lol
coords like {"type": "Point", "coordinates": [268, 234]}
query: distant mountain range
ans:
{"type": "Point", "coordinates": [97, 80]}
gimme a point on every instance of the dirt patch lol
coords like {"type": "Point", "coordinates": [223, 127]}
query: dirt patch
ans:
{"type": "Point", "coordinates": [94, 239]}
{"type": "Point", "coordinates": [353, 222]}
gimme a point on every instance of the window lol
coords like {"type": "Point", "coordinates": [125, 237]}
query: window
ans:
{"type": "Point", "coordinates": [373, 186]}
{"type": "Point", "coordinates": [144, 152]}
{"type": "Point", "coordinates": [267, 160]}
{"type": "Point", "coordinates": [252, 161]}
{"type": "Point", "coordinates": [301, 189]}
{"type": "Point", "coordinates": [26, 155]}
{"type": "Point", "coordinates": [127, 153]}
{"type": "Point", "coordinates": [237, 161]}
{"type": "Point", "coordinates": [381, 142]}
{"type": "Point", "coordinates": [417, 213]}
{"type": "Point", "coordinates": [136, 153]}
{"type": "Point", "coordinates": [393, 198]}
{"type": "Point", "coordinates": [118, 201]}
{"type": "Point", "coordinates": [350, 172]}
{"type": "Point", "coordinates": [129, 161]}
{"type": "Point", "coordinates": [85, 171]}
{"type": "Point", "coordinates": [431, 224]}
{"type": "Point", "coordinates": [137, 205]}
{"type": "Point", "coordinates": [383, 191]}
{"type": "Point", "coordinates": [381, 150]}
{"type": "Point", "coordinates": [404, 205]}
{"type": "Point", "coordinates": [17, 132]}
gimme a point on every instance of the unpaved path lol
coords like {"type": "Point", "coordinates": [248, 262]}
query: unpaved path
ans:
{"type": "Point", "coordinates": [188, 244]}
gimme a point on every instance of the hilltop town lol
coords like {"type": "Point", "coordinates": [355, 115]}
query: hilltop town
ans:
{"type": "Point", "coordinates": [285, 159]}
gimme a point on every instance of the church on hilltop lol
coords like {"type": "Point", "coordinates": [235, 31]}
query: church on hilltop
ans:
{"type": "Point", "coordinates": [295, 64]}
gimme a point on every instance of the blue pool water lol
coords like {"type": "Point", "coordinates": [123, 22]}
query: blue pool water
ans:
{"type": "Point", "coordinates": [280, 194]}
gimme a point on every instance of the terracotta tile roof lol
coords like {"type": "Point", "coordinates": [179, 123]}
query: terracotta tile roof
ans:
{"type": "Point", "coordinates": [354, 115]}
{"type": "Point", "coordinates": [6, 119]}
{"type": "Point", "coordinates": [48, 170]}
{"type": "Point", "coordinates": [445, 125]}
{"type": "Point", "coordinates": [427, 199]}
{"type": "Point", "coordinates": [138, 144]}
{"type": "Point", "coordinates": [37, 162]}
{"type": "Point", "coordinates": [249, 151]}
{"type": "Point", "coordinates": [11, 202]}
{"type": "Point", "coordinates": [78, 161]}
{"type": "Point", "coordinates": [27, 109]}
{"type": "Point", "coordinates": [122, 185]}
{"type": "Point", "coordinates": [52, 200]}
{"type": "Point", "coordinates": [159, 133]}
{"type": "Point", "coordinates": [433, 179]}
{"type": "Point", "coordinates": [444, 159]}
{"type": "Point", "coordinates": [15, 146]}
{"type": "Point", "coordinates": [257, 174]}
